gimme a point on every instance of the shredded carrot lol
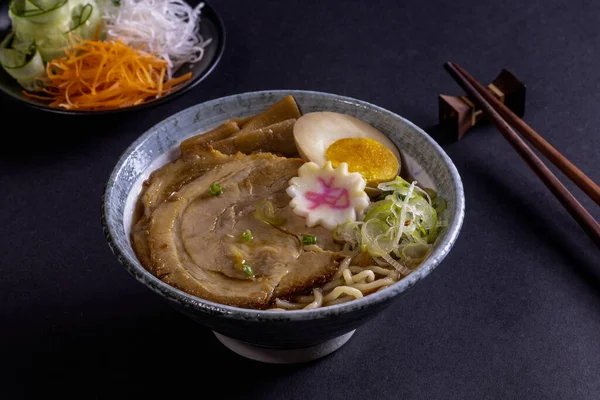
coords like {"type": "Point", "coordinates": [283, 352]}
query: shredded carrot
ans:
{"type": "Point", "coordinates": [104, 75]}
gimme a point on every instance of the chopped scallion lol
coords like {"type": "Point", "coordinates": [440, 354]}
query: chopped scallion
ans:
{"type": "Point", "coordinates": [216, 189]}
{"type": "Point", "coordinates": [439, 204]}
{"type": "Point", "coordinates": [309, 239]}
{"type": "Point", "coordinates": [247, 235]}
{"type": "Point", "coordinates": [247, 269]}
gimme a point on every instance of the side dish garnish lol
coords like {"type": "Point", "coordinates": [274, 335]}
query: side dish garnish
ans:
{"type": "Point", "coordinates": [103, 75]}
{"type": "Point", "coordinates": [166, 28]}
{"type": "Point", "coordinates": [100, 54]}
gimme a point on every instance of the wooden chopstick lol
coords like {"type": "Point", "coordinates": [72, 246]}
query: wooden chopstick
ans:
{"type": "Point", "coordinates": [577, 211]}
{"type": "Point", "coordinates": [575, 174]}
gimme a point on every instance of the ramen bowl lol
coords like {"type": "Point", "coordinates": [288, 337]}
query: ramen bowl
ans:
{"type": "Point", "coordinates": [268, 335]}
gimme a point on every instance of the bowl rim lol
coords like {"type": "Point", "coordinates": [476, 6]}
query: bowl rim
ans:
{"type": "Point", "coordinates": [209, 12]}
{"type": "Point", "coordinates": [134, 267]}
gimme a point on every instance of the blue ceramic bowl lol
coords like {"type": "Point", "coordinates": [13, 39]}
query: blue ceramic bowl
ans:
{"type": "Point", "coordinates": [277, 336]}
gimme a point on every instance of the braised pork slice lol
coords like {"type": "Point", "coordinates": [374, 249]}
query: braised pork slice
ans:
{"type": "Point", "coordinates": [277, 138]}
{"type": "Point", "coordinates": [193, 240]}
{"type": "Point", "coordinates": [199, 143]}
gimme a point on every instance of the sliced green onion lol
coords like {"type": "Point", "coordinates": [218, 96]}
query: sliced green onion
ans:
{"type": "Point", "coordinates": [309, 239]}
{"type": "Point", "coordinates": [394, 185]}
{"type": "Point", "coordinates": [265, 211]}
{"type": "Point", "coordinates": [247, 235]}
{"type": "Point", "coordinates": [399, 197]}
{"type": "Point", "coordinates": [433, 230]}
{"type": "Point", "coordinates": [247, 269]}
{"type": "Point", "coordinates": [384, 194]}
{"type": "Point", "coordinates": [216, 189]}
{"type": "Point", "coordinates": [432, 193]}
{"type": "Point", "coordinates": [439, 203]}
{"type": "Point", "coordinates": [348, 232]}
{"type": "Point", "coordinates": [416, 252]}
{"type": "Point", "coordinates": [400, 228]}
{"type": "Point", "coordinates": [375, 238]}
{"type": "Point", "coordinates": [381, 209]}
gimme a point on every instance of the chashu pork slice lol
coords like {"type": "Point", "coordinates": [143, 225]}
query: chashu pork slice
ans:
{"type": "Point", "coordinates": [195, 239]}
{"type": "Point", "coordinates": [162, 184]}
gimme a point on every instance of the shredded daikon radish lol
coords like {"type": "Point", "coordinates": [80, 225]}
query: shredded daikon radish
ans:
{"type": "Point", "coordinates": [167, 28]}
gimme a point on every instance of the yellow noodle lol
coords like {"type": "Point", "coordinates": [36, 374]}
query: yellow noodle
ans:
{"type": "Point", "coordinates": [305, 299]}
{"type": "Point", "coordinates": [381, 270]}
{"type": "Point", "coordinates": [355, 269]}
{"type": "Point", "coordinates": [366, 275]}
{"type": "Point", "coordinates": [368, 287]}
{"type": "Point", "coordinates": [347, 277]}
{"type": "Point", "coordinates": [348, 283]}
{"type": "Point", "coordinates": [318, 300]}
{"type": "Point", "coordinates": [343, 266]}
{"type": "Point", "coordinates": [288, 305]}
{"type": "Point", "coordinates": [338, 291]}
{"type": "Point", "coordinates": [376, 269]}
{"type": "Point", "coordinates": [340, 300]}
{"type": "Point", "coordinates": [332, 285]}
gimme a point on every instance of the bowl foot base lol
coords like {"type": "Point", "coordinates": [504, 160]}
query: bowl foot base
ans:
{"type": "Point", "coordinates": [284, 356]}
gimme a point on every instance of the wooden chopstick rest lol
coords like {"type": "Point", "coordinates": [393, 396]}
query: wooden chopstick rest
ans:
{"type": "Point", "coordinates": [458, 114]}
{"type": "Point", "coordinates": [574, 207]}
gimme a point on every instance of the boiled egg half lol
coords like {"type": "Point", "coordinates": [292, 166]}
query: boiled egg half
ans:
{"type": "Point", "coordinates": [329, 136]}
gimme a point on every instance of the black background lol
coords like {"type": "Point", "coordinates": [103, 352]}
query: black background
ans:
{"type": "Point", "coordinates": [512, 313]}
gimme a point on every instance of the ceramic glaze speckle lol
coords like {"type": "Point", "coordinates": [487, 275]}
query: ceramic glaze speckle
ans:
{"type": "Point", "coordinates": [277, 329]}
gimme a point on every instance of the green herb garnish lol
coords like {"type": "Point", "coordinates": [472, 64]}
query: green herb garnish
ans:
{"type": "Point", "coordinates": [247, 235]}
{"type": "Point", "coordinates": [247, 269]}
{"type": "Point", "coordinates": [309, 239]}
{"type": "Point", "coordinates": [216, 189]}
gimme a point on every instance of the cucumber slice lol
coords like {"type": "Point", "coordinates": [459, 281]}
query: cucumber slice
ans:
{"type": "Point", "coordinates": [86, 19]}
{"type": "Point", "coordinates": [51, 53]}
{"type": "Point", "coordinates": [23, 45]}
{"type": "Point", "coordinates": [33, 12]}
{"type": "Point", "coordinates": [28, 75]}
{"type": "Point", "coordinates": [11, 58]}
{"type": "Point", "coordinates": [26, 28]}
{"type": "Point", "coordinates": [32, 68]}
{"type": "Point", "coordinates": [26, 70]}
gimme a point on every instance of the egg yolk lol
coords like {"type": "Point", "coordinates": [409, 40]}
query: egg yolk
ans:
{"type": "Point", "coordinates": [374, 161]}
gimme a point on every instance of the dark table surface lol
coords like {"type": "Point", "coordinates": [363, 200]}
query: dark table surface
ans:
{"type": "Point", "coordinates": [512, 313]}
